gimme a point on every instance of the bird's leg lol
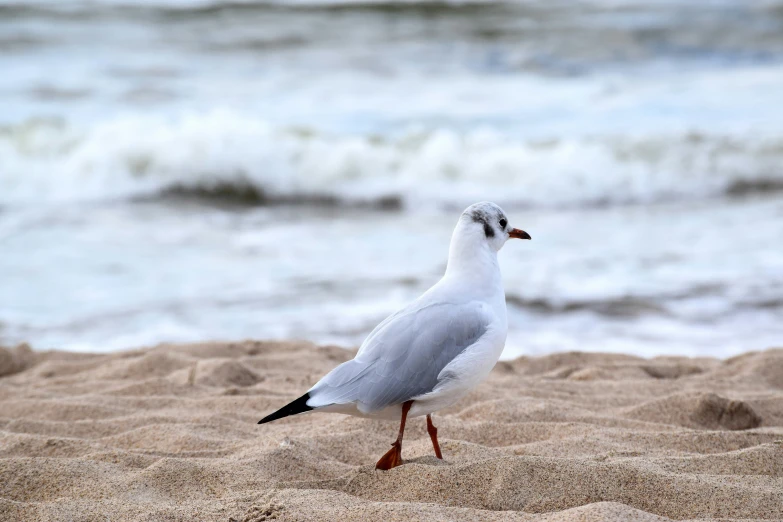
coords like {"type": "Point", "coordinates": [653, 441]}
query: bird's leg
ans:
{"type": "Point", "coordinates": [393, 457]}
{"type": "Point", "coordinates": [433, 431]}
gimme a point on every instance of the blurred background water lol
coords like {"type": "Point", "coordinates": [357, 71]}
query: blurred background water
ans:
{"type": "Point", "coordinates": [183, 170]}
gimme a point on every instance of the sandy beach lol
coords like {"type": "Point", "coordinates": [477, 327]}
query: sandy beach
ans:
{"type": "Point", "coordinates": [170, 433]}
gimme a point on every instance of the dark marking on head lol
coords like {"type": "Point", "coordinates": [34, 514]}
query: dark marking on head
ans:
{"type": "Point", "coordinates": [488, 230]}
{"type": "Point", "coordinates": [480, 216]}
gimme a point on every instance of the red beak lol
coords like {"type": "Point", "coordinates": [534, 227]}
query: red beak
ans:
{"type": "Point", "coordinates": [519, 234]}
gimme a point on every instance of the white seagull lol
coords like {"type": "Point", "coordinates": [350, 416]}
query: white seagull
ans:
{"type": "Point", "coordinates": [428, 355]}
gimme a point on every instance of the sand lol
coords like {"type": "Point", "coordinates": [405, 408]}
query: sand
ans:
{"type": "Point", "coordinates": [170, 433]}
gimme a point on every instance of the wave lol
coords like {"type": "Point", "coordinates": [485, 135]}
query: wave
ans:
{"type": "Point", "coordinates": [230, 156]}
{"type": "Point", "coordinates": [209, 7]}
{"type": "Point", "coordinates": [241, 194]}
{"type": "Point", "coordinates": [199, 3]}
{"type": "Point", "coordinates": [665, 304]}
{"type": "Point", "coordinates": [618, 306]}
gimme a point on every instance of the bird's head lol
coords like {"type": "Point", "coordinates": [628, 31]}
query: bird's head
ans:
{"type": "Point", "coordinates": [486, 222]}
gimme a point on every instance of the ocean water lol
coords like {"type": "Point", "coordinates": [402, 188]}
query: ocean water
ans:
{"type": "Point", "coordinates": [185, 170]}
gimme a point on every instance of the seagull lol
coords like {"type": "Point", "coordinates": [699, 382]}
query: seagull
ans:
{"type": "Point", "coordinates": [429, 354]}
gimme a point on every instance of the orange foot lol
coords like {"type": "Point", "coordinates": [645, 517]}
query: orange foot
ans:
{"type": "Point", "coordinates": [391, 458]}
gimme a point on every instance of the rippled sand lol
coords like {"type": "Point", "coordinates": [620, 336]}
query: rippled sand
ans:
{"type": "Point", "coordinates": [170, 433]}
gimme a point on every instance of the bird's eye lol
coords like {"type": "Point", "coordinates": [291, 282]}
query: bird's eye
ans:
{"type": "Point", "coordinates": [503, 223]}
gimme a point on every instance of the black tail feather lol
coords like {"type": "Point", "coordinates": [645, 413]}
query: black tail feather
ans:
{"type": "Point", "coordinates": [292, 408]}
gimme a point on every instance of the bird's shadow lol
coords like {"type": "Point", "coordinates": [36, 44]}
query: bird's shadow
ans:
{"type": "Point", "coordinates": [427, 460]}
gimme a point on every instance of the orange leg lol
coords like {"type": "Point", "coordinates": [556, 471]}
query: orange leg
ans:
{"type": "Point", "coordinates": [393, 457]}
{"type": "Point", "coordinates": [433, 431]}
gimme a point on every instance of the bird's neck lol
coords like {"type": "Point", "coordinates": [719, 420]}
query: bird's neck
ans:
{"type": "Point", "coordinates": [474, 263]}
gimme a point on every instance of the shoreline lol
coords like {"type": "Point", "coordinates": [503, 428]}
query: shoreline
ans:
{"type": "Point", "coordinates": [170, 433]}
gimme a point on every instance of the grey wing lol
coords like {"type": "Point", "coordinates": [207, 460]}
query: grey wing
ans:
{"type": "Point", "coordinates": [404, 357]}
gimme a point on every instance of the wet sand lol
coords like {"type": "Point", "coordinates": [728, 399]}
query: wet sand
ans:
{"type": "Point", "coordinates": [170, 433]}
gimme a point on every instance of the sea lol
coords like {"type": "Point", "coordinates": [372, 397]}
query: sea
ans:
{"type": "Point", "coordinates": [193, 170]}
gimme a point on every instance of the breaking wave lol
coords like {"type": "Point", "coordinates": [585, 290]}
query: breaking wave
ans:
{"type": "Point", "coordinates": [239, 158]}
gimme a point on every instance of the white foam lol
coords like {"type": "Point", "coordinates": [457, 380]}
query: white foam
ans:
{"type": "Point", "coordinates": [141, 156]}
